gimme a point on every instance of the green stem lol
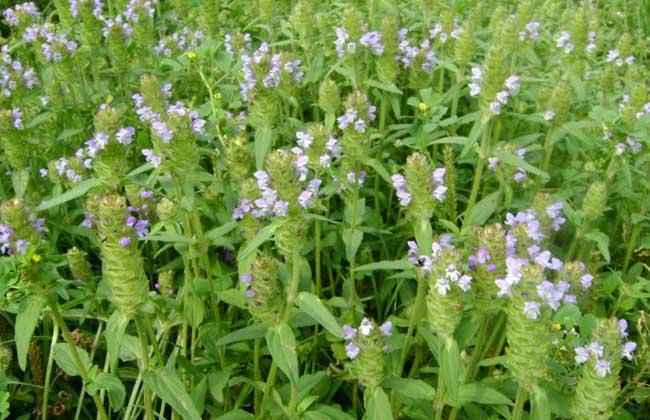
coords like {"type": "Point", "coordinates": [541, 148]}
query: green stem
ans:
{"type": "Point", "coordinates": [548, 150]}
{"type": "Point", "coordinates": [439, 404]}
{"type": "Point", "coordinates": [476, 185]}
{"type": "Point", "coordinates": [416, 315]}
{"type": "Point", "coordinates": [73, 351]}
{"type": "Point", "coordinates": [148, 399]}
{"type": "Point", "coordinates": [258, 374]}
{"type": "Point", "coordinates": [48, 371]}
{"type": "Point", "coordinates": [352, 293]}
{"type": "Point", "coordinates": [92, 356]}
{"type": "Point", "coordinates": [518, 410]}
{"type": "Point", "coordinates": [630, 246]}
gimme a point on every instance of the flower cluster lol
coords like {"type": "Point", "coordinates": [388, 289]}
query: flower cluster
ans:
{"type": "Point", "coordinates": [179, 42]}
{"type": "Point", "coordinates": [630, 143]}
{"type": "Point", "coordinates": [21, 14]}
{"type": "Point", "coordinates": [530, 31]}
{"type": "Point", "coordinates": [267, 205]}
{"type": "Point", "coordinates": [265, 70]}
{"type": "Point", "coordinates": [119, 23]}
{"type": "Point", "coordinates": [13, 74]}
{"type": "Point", "coordinates": [97, 7]}
{"type": "Point", "coordinates": [614, 56]}
{"type": "Point", "coordinates": [138, 9]}
{"type": "Point", "coordinates": [520, 173]}
{"type": "Point", "coordinates": [595, 351]}
{"type": "Point", "coordinates": [367, 331]}
{"type": "Point", "coordinates": [325, 153]}
{"type": "Point", "coordinates": [372, 41]}
{"type": "Point", "coordinates": [237, 41]}
{"type": "Point", "coordinates": [55, 47]}
{"type": "Point", "coordinates": [20, 228]}
{"type": "Point", "coordinates": [437, 181]}
{"type": "Point", "coordinates": [409, 54]}
{"type": "Point", "coordinates": [438, 32]}
{"type": "Point", "coordinates": [357, 118]}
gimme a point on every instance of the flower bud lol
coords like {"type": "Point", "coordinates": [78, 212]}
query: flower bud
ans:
{"type": "Point", "coordinates": [417, 172]}
{"type": "Point", "coordinates": [165, 283]}
{"type": "Point", "coordinates": [166, 210]}
{"type": "Point", "coordinates": [263, 289]}
{"type": "Point", "coordinates": [6, 358]}
{"type": "Point", "coordinates": [238, 157]}
{"type": "Point", "coordinates": [387, 66]}
{"type": "Point", "coordinates": [329, 97]}
{"type": "Point", "coordinates": [78, 264]}
{"type": "Point", "coordinates": [529, 340]}
{"type": "Point", "coordinates": [595, 200]}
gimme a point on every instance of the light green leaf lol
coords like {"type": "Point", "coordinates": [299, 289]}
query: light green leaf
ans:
{"type": "Point", "coordinates": [251, 246]}
{"type": "Point", "coordinates": [388, 87]}
{"type": "Point", "coordinates": [243, 334]}
{"type": "Point", "coordinates": [411, 388]}
{"type": "Point", "coordinates": [386, 265]}
{"type": "Point", "coordinates": [514, 160]}
{"type": "Point", "coordinates": [352, 240]}
{"type": "Point", "coordinates": [168, 386]}
{"type": "Point", "coordinates": [80, 189]}
{"type": "Point", "coordinates": [379, 168]}
{"type": "Point", "coordinates": [65, 360]}
{"type": "Point", "coordinates": [263, 142]}
{"type": "Point", "coordinates": [485, 208]}
{"type": "Point", "coordinates": [282, 346]}
{"type": "Point", "coordinates": [378, 406]}
{"type": "Point", "coordinates": [602, 242]}
{"type": "Point", "coordinates": [114, 387]}
{"type": "Point", "coordinates": [28, 313]}
{"type": "Point", "coordinates": [314, 307]}
{"type": "Point", "coordinates": [540, 408]}
{"type": "Point", "coordinates": [451, 370]}
{"type": "Point", "coordinates": [216, 233]}
{"type": "Point", "coordinates": [217, 381]}
{"type": "Point", "coordinates": [115, 327]}
{"type": "Point", "coordinates": [481, 393]}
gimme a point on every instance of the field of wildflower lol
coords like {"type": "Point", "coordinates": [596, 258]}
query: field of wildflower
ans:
{"type": "Point", "coordinates": [335, 209]}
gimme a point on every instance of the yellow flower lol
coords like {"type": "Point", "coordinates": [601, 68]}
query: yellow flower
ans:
{"type": "Point", "coordinates": [192, 55]}
{"type": "Point", "coordinates": [423, 107]}
{"type": "Point", "coordinates": [556, 327]}
{"type": "Point", "coordinates": [36, 258]}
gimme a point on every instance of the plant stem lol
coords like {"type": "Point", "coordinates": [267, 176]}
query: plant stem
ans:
{"type": "Point", "coordinates": [48, 371]}
{"type": "Point", "coordinates": [257, 373]}
{"type": "Point", "coordinates": [439, 404]}
{"type": "Point", "coordinates": [518, 410]}
{"type": "Point", "coordinates": [73, 351]}
{"type": "Point", "coordinates": [416, 315]}
{"type": "Point", "coordinates": [352, 293]}
{"type": "Point", "coordinates": [630, 246]}
{"type": "Point", "coordinates": [142, 333]}
{"type": "Point", "coordinates": [548, 150]}
{"type": "Point", "coordinates": [476, 185]}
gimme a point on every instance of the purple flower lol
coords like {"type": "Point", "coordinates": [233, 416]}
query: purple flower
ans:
{"type": "Point", "coordinates": [250, 293]}
{"type": "Point", "coordinates": [465, 283]}
{"type": "Point", "coordinates": [125, 241]}
{"type": "Point", "coordinates": [595, 349]}
{"type": "Point", "coordinates": [532, 310]}
{"type": "Point", "coordinates": [386, 328]}
{"type": "Point", "coordinates": [603, 368]}
{"type": "Point", "coordinates": [627, 350]}
{"type": "Point", "coordinates": [490, 268]}
{"type": "Point", "coordinates": [472, 261]}
{"type": "Point", "coordinates": [442, 286]}
{"type": "Point", "coordinates": [622, 326]}
{"type": "Point", "coordinates": [151, 157]}
{"type": "Point", "coordinates": [372, 40]}
{"type": "Point", "coordinates": [352, 350]}
{"type": "Point", "coordinates": [483, 255]}
{"type": "Point", "coordinates": [365, 327]}
{"type": "Point", "coordinates": [246, 278]}
{"type": "Point", "coordinates": [582, 355]}
{"type": "Point", "coordinates": [21, 246]}
{"type": "Point", "coordinates": [349, 333]}
{"type": "Point", "coordinates": [550, 294]}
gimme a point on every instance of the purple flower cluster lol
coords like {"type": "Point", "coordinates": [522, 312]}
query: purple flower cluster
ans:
{"type": "Point", "coordinates": [138, 9]}
{"type": "Point", "coordinates": [595, 351]}
{"type": "Point", "coordinates": [139, 226]}
{"type": "Point", "coordinates": [178, 42]}
{"type": "Point", "coordinates": [247, 279]}
{"type": "Point", "coordinates": [54, 47]}
{"type": "Point", "coordinates": [453, 276]}
{"type": "Point", "coordinates": [477, 78]}
{"type": "Point", "coordinates": [13, 72]}
{"type": "Point", "coordinates": [351, 118]}
{"type": "Point", "coordinates": [438, 33]}
{"type": "Point", "coordinates": [237, 120]}
{"type": "Point", "coordinates": [438, 182]}
{"type": "Point", "coordinates": [227, 42]}
{"type": "Point", "coordinates": [151, 157]}
{"type": "Point", "coordinates": [520, 175]}
{"type": "Point", "coordinates": [372, 41]}
{"type": "Point", "coordinates": [267, 205]}
{"type": "Point", "coordinates": [272, 66]}
{"type": "Point", "coordinates": [408, 53]}
{"type": "Point", "coordinates": [563, 41]}
{"type": "Point", "coordinates": [530, 31]}
{"type": "Point", "coordinates": [305, 199]}
{"type": "Point", "coordinates": [17, 118]}
{"type": "Point", "coordinates": [614, 56]}
{"type": "Point", "coordinates": [425, 262]}
{"type": "Point", "coordinates": [14, 15]}
{"type": "Point", "coordinates": [631, 143]}
{"type": "Point", "coordinates": [482, 257]}
{"type": "Point", "coordinates": [64, 168]}
{"type": "Point", "coordinates": [118, 23]}
{"type": "Point", "coordinates": [512, 87]}
{"type": "Point", "coordinates": [9, 244]}
{"type": "Point", "coordinates": [305, 140]}
{"type": "Point", "coordinates": [366, 334]}
{"type": "Point", "coordinates": [97, 7]}
{"type": "Point", "coordinates": [343, 44]}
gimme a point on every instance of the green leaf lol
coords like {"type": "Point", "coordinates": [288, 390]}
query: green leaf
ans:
{"type": "Point", "coordinates": [237, 414]}
{"type": "Point", "coordinates": [251, 246]}
{"type": "Point", "coordinates": [411, 388]}
{"type": "Point", "coordinates": [314, 307]}
{"type": "Point", "coordinates": [115, 328]}
{"type": "Point", "coordinates": [451, 370]}
{"type": "Point", "coordinates": [263, 142]}
{"type": "Point", "coordinates": [217, 381]}
{"type": "Point", "coordinates": [379, 168]}
{"type": "Point", "coordinates": [216, 233]}
{"type": "Point", "coordinates": [386, 265]}
{"type": "Point", "coordinates": [540, 409]}
{"type": "Point", "coordinates": [243, 334]}
{"type": "Point", "coordinates": [352, 240]}
{"type": "Point", "coordinates": [20, 179]}
{"type": "Point", "coordinates": [388, 87]}
{"type": "Point", "coordinates": [377, 406]}
{"type": "Point", "coordinates": [517, 162]}
{"type": "Point", "coordinates": [481, 393]}
{"type": "Point", "coordinates": [168, 386]}
{"type": "Point", "coordinates": [485, 208]}
{"type": "Point", "coordinates": [28, 313]}
{"type": "Point", "coordinates": [423, 234]}
{"type": "Point", "coordinates": [114, 387]}
{"type": "Point", "coordinates": [282, 346]}
{"type": "Point", "coordinates": [568, 315]}
{"type": "Point", "coordinates": [80, 189]}
{"type": "Point", "coordinates": [602, 242]}
{"type": "Point", "coordinates": [66, 361]}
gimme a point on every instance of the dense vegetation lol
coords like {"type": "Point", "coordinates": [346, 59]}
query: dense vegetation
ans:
{"type": "Point", "coordinates": [325, 209]}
